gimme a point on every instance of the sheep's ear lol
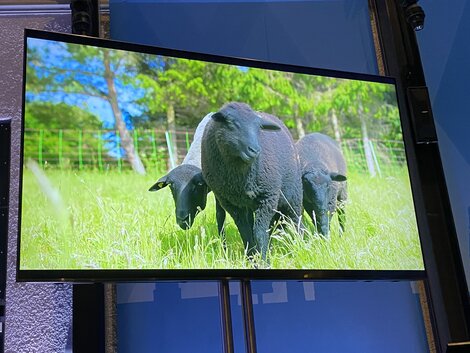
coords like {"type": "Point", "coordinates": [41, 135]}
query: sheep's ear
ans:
{"type": "Point", "coordinates": [218, 116]}
{"type": "Point", "coordinates": [198, 179]}
{"type": "Point", "coordinates": [337, 177]}
{"type": "Point", "coordinates": [160, 184]}
{"type": "Point", "coordinates": [268, 125]}
{"type": "Point", "coordinates": [307, 176]}
{"type": "Point", "coordinates": [315, 178]}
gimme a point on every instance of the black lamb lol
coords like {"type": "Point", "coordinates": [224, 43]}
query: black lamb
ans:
{"type": "Point", "coordinates": [187, 185]}
{"type": "Point", "coordinates": [324, 180]}
{"type": "Point", "coordinates": [250, 163]}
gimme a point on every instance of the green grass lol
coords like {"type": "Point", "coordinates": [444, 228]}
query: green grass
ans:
{"type": "Point", "coordinates": [110, 221]}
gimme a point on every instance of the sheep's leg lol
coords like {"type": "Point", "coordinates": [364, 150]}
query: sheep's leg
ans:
{"type": "Point", "coordinates": [220, 216]}
{"type": "Point", "coordinates": [263, 216]}
{"type": "Point", "coordinates": [243, 218]}
{"type": "Point", "coordinates": [342, 196]}
{"type": "Point", "coordinates": [294, 212]}
{"type": "Point", "coordinates": [274, 220]}
{"type": "Point", "coordinates": [244, 221]}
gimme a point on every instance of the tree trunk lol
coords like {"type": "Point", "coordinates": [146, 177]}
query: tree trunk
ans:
{"type": "Point", "coordinates": [336, 129]}
{"type": "Point", "coordinates": [366, 142]}
{"type": "Point", "coordinates": [126, 139]}
{"type": "Point", "coordinates": [170, 118]}
{"type": "Point", "coordinates": [335, 121]}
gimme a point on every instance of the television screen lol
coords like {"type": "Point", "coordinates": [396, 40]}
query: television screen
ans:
{"type": "Point", "coordinates": [144, 162]}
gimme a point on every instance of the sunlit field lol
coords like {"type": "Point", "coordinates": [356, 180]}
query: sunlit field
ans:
{"type": "Point", "coordinates": [110, 221]}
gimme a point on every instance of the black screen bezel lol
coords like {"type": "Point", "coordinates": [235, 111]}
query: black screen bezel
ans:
{"type": "Point", "coordinates": [126, 275]}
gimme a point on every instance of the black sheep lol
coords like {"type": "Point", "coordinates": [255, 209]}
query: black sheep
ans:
{"type": "Point", "coordinates": [186, 182]}
{"type": "Point", "coordinates": [324, 180]}
{"type": "Point", "coordinates": [250, 163]}
{"type": "Point", "coordinates": [189, 192]}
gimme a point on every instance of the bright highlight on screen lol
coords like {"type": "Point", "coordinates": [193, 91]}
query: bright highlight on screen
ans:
{"type": "Point", "coordinates": [137, 161]}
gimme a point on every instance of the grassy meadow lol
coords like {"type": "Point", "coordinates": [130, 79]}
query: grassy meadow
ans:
{"type": "Point", "coordinates": [108, 220]}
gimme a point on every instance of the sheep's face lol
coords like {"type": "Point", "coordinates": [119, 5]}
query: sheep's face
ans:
{"type": "Point", "coordinates": [237, 131]}
{"type": "Point", "coordinates": [189, 192]}
{"type": "Point", "coordinates": [317, 195]}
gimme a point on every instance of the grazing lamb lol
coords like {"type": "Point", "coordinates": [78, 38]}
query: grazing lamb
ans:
{"type": "Point", "coordinates": [250, 163]}
{"type": "Point", "coordinates": [186, 182]}
{"type": "Point", "coordinates": [324, 180]}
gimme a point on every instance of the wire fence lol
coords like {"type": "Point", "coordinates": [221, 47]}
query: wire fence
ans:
{"type": "Point", "coordinates": [387, 155]}
{"type": "Point", "coordinates": [102, 150]}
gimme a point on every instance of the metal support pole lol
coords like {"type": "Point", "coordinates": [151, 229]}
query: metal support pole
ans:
{"type": "Point", "coordinates": [88, 318]}
{"type": "Point", "coordinates": [248, 317]}
{"type": "Point", "coordinates": [226, 311]}
{"type": "Point", "coordinates": [110, 318]}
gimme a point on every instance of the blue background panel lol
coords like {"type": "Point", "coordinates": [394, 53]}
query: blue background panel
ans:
{"type": "Point", "coordinates": [292, 316]}
{"type": "Point", "coordinates": [325, 34]}
{"type": "Point", "coordinates": [445, 52]}
{"type": "Point", "coordinates": [337, 317]}
{"type": "Point", "coordinates": [169, 317]}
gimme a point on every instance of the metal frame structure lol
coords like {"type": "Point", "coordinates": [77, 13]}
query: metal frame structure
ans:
{"type": "Point", "coordinates": [445, 278]}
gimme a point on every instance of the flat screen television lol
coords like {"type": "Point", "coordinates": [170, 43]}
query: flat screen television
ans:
{"type": "Point", "coordinates": [133, 155]}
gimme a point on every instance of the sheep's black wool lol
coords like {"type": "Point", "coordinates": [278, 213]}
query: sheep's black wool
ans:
{"type": "Point", "coordinates": [324, 180]}
{"type": "Point", "coordinates": [250, 163]}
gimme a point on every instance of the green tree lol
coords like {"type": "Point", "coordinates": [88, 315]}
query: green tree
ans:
{"type": "Point", "coordinates": [70, 70]}
{"type": "Point", "coordinates": [370, 109]}
{"type": "Point", "coordinates": [290, 96]}
{"type": "Point", "coordinates": [49, 127]}
{"type": "Point", "coordinates": [48, 115]}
